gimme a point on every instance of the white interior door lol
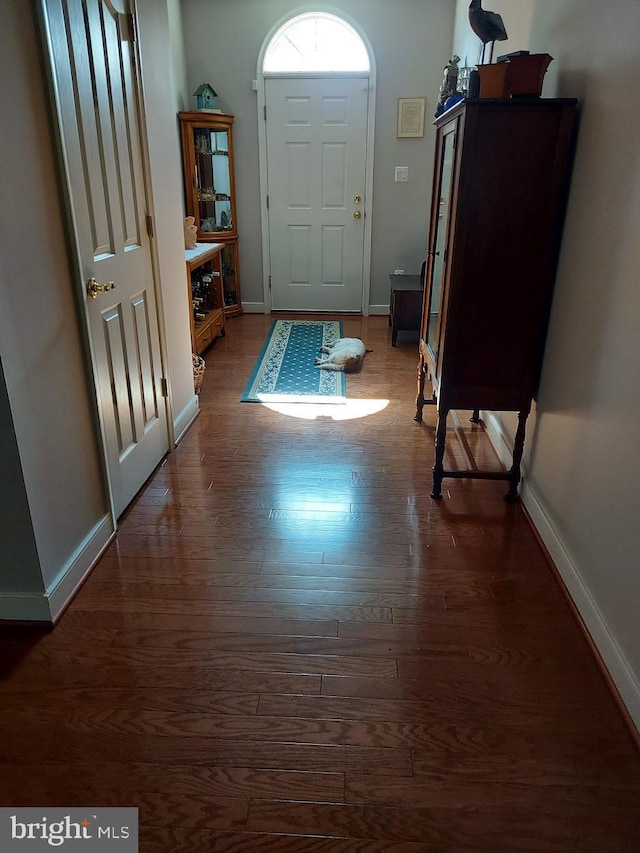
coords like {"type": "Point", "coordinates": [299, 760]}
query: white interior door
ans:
{"type": "Point", "coordinates": [316, 134]}
{"type": "Point", "coordinates": [94, 72]}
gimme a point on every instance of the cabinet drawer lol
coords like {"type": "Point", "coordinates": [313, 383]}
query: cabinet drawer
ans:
{"type": "Point", "coordinates": [207, 334]}
{"type": "Point", "coordinates": [217, 326]}
{"type": "Point", "coordinates": [203, 339]}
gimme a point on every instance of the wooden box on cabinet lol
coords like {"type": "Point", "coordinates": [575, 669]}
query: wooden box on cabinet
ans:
{"type": "Point", "coordinates": [499, 193]}
{"type": "Point", "coordinates": [206, 299]}
{"type": "Point", "coordinates": [207, 155]}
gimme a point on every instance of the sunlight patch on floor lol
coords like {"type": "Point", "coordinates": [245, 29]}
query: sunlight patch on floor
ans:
{"type": "Point", "coordinates": [348, 411]}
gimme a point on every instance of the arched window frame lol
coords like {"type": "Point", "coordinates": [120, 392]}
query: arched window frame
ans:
{"type": "Point", "coordinates": [327, 30]}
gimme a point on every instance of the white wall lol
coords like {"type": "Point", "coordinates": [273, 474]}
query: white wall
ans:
{"type": "Point", "coordinates": [178, 69]}
{"type": "Point", "coordinates": [411, 42]}
{"type": "Point", "coordinates": [582, 478]}
{"type": "Point", "coordinates": [19, 563]}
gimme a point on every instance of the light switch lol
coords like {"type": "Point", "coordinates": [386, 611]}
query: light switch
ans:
{"type": "Point", "coordinates": [402, 173]}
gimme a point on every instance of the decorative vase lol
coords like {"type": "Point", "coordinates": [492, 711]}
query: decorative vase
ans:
{"type": "Point", "coordinates": [527, 74]}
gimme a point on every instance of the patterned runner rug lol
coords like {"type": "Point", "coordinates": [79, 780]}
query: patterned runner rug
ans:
{"type": "Point", "coordinates": [285, 371]}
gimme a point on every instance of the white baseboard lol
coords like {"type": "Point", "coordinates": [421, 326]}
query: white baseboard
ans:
{"type": "Point", "coordinates": [186, 417]}
{"type": "Point", "coordinates": [60, 592]}
{"type": "Point", "coordinates": [501, 443]}
{"type": "Point", "coordinates": [48, 605]}
{"type": "Point", "coordinates": [612, 655]}
{"type": "Point", "coordinates": [254, 308]}
{"type": "Point", "coordinates": [259, 308]}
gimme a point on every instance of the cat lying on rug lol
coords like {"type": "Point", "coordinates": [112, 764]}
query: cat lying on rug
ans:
{"type": "Point", "coordinates": [345, 354]}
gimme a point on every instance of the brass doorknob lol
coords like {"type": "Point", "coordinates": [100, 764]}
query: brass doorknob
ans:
{"type": "Point", "coordinates": [357, 214]}
{"type": "Point", "coordinates": [93, 288]}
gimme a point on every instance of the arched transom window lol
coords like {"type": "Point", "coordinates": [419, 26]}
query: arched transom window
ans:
{"type": "Point", "coordinates": [315, 42]}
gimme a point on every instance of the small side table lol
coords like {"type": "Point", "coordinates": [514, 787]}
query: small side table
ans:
{"type": "Point", "coordinates": [405, 304]}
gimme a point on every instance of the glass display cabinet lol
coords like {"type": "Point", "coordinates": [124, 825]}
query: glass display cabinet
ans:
{"type": "Point", "coordinates": [437, 253]}
{"type": "Point", "coordinates": [230, 285]}
{"type": "Point", "coordinates": [207, 152]}
{"type": "Point", "coordinates": [500, 183]}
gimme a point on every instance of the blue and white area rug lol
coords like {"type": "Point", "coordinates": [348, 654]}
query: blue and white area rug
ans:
{"type": "Point", "coordinates": [286, 372]}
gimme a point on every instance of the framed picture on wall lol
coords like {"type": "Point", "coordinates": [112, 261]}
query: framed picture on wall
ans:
{"type": "Point", "coordinates": [411, 117]}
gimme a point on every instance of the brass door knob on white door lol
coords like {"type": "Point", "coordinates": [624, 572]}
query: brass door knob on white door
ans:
{"type": "Point", "coordinates": [357, 214]}
{"type": "Point", "coordinates": [93, 288]}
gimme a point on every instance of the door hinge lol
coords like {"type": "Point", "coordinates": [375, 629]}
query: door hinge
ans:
{"type": "Point", "coordinates": [269, 282]}
{"type": "Point", "coordinates": [264, 112]}
{"type": "Point", "coordinates": [149, 225]}
{"type": "Point", "coordinates": [127, 27]}
{"type": "Point", "coordinates": [267, 202]}
{"type": "Point", "coordinates": [164, 388]}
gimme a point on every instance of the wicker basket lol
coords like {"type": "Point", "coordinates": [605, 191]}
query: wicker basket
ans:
{"type": "Point", "coordinates": [198, 371]}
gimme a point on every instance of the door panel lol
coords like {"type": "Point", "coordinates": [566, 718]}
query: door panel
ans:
{"type": "Point", "coordinates": [94, 74]}
{"type": "Point", "coordinates": [332, 255]}
{"type": "Point", "coordinates": [316, 165]}
{"type": "Point", "coordinates": [334, 177]}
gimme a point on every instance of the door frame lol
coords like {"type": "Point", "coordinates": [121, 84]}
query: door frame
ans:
{"type": "Point", "coordinates": [261, 77]}
{"type": "Point", "coordinates": [73, 250]}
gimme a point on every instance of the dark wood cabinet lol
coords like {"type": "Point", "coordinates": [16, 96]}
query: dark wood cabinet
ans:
{"type": "Point", "coordinates": [500, 182]}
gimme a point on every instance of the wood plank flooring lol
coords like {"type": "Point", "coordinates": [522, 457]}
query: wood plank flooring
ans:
{"type": "Point", "coordinates": [291, 647]}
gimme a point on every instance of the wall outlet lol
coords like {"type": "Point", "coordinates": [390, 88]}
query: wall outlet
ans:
{"type": "Point", "coordinates": [398, 272]}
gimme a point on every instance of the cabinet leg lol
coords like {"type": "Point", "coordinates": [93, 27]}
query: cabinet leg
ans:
{"type": "Point", "coordinates": [475, 416]}
{"type": "Point", "coordinates": [422, 371]}
{"type": "Point", "coordinates": [438, 467]}
{"type": "Point", "coordinates": [518, 448]}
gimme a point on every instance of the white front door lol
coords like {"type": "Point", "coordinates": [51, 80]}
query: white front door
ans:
{"type": "Point", "coordinates": [316, 134]}
{"type": "Point", "coordinates": [93, 63]}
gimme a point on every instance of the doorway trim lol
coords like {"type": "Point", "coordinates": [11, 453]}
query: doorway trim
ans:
{"type": "Point", "coordinates": [261, 76]}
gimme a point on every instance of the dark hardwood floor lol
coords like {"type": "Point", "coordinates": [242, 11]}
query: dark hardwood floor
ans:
{"type": "Point", "coordinates": [291, 647]}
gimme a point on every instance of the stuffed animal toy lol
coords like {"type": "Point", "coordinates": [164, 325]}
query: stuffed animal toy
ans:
{"type": "Point", "coordinates": [190, 233]}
